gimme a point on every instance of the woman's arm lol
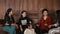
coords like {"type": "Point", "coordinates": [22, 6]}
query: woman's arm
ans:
{"type": "Point", "coordinates": [26, 32]}
{"type": "Point", "coordinates": [20, 25]}
{"type": "Point", "coordinates": [5, 19]}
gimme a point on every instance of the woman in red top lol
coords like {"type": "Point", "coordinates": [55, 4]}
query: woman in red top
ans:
{"type": "Point", "coordinates": [45, 22]}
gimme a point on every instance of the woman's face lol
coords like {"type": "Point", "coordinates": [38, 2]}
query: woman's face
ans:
{"type": "Point", "coordinates": [24, 14]}
{"type": "Point", "coordinates": [10, 13]}
{"type": "Point", "coordinates": [45, 13]}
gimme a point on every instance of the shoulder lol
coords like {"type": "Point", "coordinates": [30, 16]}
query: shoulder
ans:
{"type": "Point", "coordinates": [33, 29]}
{"type": "Point", "coordinates": [26, 30]}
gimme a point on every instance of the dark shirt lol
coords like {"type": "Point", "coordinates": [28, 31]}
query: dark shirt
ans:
{"type": "Point", "coordinates": [24, 21]}
{"type": "Point", "coordinates": [9, 19]}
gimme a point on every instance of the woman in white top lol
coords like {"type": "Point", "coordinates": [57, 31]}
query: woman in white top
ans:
{"type": "Point", "coordinates": [29, 30]}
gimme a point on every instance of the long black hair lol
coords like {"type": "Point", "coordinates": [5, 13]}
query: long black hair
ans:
{"type": "Point", "coordinates": [8, 11]}
{"type": "Point", "coordinates": [6, 17]}
{"type": "Point", "coordinates": [44, 10]}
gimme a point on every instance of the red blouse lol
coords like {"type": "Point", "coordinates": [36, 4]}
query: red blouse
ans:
{"type": "Point", "coordinates": [44, 24]}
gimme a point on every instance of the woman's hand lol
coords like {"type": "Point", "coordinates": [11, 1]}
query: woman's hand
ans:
{"type": "Point", "coordinates": [55, 25]}
{"type": "Point", "coordinates": [21, 29]}
{"type": "Point", "coordinates": [49, 26]}
{"type": "Point", "coordinates": [46, 24]}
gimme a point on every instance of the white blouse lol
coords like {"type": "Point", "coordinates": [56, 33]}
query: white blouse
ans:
{"type": "Point", "coordinates": [29, 31]}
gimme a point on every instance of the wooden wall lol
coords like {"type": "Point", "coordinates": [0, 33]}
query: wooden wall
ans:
{"type": "Point", "coordinates": [33, 7]}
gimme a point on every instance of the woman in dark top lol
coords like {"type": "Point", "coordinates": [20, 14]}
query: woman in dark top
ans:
{"type": "Point", "coordinates": [9, 22]}
{"type": "Point", "coordinates": [23, 21]}
{"type": "Point", "coordinates": [8, 18]}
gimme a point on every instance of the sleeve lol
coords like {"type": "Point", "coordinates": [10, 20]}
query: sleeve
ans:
{"type": "Point", "coordinates": [29, 21]}
{"type": "Point", "coordinates": [34, 31]}
{"type": "Point", "coordinates": [26, 32]}
{"type": "Point", "coordinates": [19, 22]}
{"type": "Point", "coordinates": [5, 19]}
{"type": "Point", "coordinates": [13, 19]}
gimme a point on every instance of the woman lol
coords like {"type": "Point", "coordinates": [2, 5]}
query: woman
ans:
{"type": "Point", "coordinates": [45, 22]}
{"type": "Point", "coordinates": [9, 17]}
{"type": "Point", "coordinates": [23, 21]}
{"type": "Point", "coordinates": [9, 22]}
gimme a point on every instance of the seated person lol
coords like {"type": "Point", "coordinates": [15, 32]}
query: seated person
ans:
{"type": "Point", "coordinates": [45, 22]}
{"type": "Point", "coordinates": [24, 20]}
{"type": "Point", "coordinates": [29, 30]}
{"type": "Point", "coordinates": [9, 22]}
{"type": "Point", "coordinates": [56, 30]}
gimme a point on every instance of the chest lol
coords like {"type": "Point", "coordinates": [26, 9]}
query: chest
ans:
{"type": "Point", "coordinates": [24, 22]}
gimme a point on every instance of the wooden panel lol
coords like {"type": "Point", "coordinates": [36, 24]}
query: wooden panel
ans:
{"type": "Point", "coordinates": [50, 4]}
{"type": "Point", "coordinates": [2, 9]}
{"type": "Point", "coordinates": [34, 7]}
